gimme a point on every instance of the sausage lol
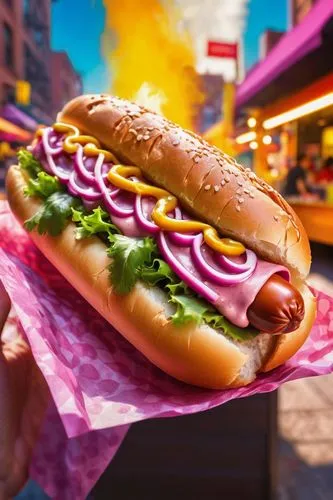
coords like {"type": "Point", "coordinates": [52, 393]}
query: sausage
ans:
{"type": "Point", "coordinates": [278, 307]}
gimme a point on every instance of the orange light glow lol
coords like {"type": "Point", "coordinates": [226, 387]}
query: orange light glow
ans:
{"type": "Point", "coordinates": [146, 45]}
{"type": "Point", "coordinates": [247, 137]}
{"type": "Point", "coordinates": [10, 128]}
{"type": "Point", "coordinates": [303, 110]}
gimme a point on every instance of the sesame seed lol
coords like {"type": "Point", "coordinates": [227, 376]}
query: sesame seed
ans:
{"type": "Point", "coordinates": [146, 137]}
{"type": "Point", "coordinates": [236, 174]}
{"type": "Point", "coordinates": [150, 128]}
{"type": "Point", "coordinates": [252, 175]}
{"type": "Point", "coordinates": [216, 188]}
{"type": "Point", "coordinates": [139, 137]}
{"type": "Point", "coordinates": [248, 169]}
{"type": "Point", "coordinates": [175, 142]}
{"type": "Point", "coordinates": [223, 182]}
{"type": "Point", "coordinates": [239, 191]}
{"type": "Point", "coordinates": [240, 183]}
{"type": "Point", "coordinates": [240, 200]}
{"type": "Point", "coordinates": [238, 208]}
{"type": "Point", "coordinates": [132, 131]}
{"type": "Point", "coordinates": [207, 187]}
{"type": "Point", "coordinates": [246, 191]}
{"type": "Point", "coordinates": [276, 218]}
{"type": "Point", "coordinates": [251, 195]}
{"type": "Point", "coordinates": [196, 159]}
{"type": "Point", "coordinates": [227, 178]}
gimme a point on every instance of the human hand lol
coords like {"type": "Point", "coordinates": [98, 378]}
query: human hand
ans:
{"type": "Point", "coordinates": [23, 400]}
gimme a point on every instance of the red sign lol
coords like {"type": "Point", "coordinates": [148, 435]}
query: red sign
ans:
{"type": "Point", "coordinates": [222, 49]}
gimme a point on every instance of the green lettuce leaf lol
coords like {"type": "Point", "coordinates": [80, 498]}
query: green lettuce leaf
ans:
{"type": "Point", "coordinates": [129, 256]}
{"type": "Point", "coordinates": [43, 185]}
{"type": "Point", "coordinates": [159, 271]}
{"type": "Point", "coordinates": [29, 163]}
{"type": "Point", "coordinates": [52, 217]}
{"type": "Point", "coordinates": [93, 223]}
{"type": "Point", "coordinates": [189, 309]}
{"type": "Point", "coordinates": [218, 322]}
{"type": "Point", "coordinates": [193, 309]}
{"type": "Point", "coordinates": [179, 288]}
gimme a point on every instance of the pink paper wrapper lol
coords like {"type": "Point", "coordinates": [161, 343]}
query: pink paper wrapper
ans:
{"type": "Point", "coordinates": [99, 383]}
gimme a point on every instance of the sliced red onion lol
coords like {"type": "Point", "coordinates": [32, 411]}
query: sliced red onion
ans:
{"type": "Point", "coordinates": [93, 186]}
{"type": "Point", "coordinates": [214, 275]}
{"type": "Point", "coordinates": [81, 169]}
{"type": "Point", "coordinates": [108, 201]}
{"type": "Point", "coordinates": [84, 173]}
{"type": "Point", "coordinates": [141, 220]}
{"type": "Point", "coordinates": [49, 150]}
{"type": "Point", "coordinates": [193, 282]}
{"type": "Point", "coordinates": [58, 172]}
{"type": "Point", "coordinates": [234, 267]}
{"type": "Point", "coordinates": [88, 193]}
{"type": "Point", "coordinates": [62, 175]}
{"type": "Point", "coordinates": [114, 192]}
{"type": "Point", "coordinates": [181, 239]}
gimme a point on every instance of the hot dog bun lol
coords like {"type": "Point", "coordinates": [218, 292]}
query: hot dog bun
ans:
{"type": "Point", "coordinates": [210, 184]}
{"type": "Point", "coordinates": [196, 355]}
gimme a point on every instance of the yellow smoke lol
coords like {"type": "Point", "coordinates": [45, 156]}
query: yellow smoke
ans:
{"type": "Point", "coordinates": [145, 45]}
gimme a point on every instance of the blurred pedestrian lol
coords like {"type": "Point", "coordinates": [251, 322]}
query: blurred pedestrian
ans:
{"type": "Point", "coordinates": [297, 181]}
{"type": "Point", "coordinates": [325, 175]}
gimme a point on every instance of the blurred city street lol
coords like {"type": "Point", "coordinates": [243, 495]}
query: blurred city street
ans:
{"type": "Point", "coordinates": [306, 439]}
{"type": "Point", "coordinates": [306, 420]}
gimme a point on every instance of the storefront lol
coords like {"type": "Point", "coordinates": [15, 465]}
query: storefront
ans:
{"type": "Point", "coordinates": [298, 123]}
{"type": "Point", "coordinates": [287, 101]}
{"type": "Point", "coordinates": [14, 132]}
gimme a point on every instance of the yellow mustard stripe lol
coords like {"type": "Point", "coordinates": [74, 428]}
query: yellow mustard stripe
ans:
{"type": "Point", "coordinates": [166, 202]}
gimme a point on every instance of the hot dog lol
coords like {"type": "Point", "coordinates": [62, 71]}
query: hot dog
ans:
{"type": "Point", "coordinates": [194, 259]}
{"type": "Point", "coordinates": [278, 307]}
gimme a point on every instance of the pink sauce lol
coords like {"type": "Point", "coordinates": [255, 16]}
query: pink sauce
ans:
{"type": "Point", "coordinates": [80, 175]}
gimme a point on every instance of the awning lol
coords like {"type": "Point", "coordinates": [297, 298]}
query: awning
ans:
{"type": "Point", "coordinates": [13, 131]}
{"type": "Point", "coordinates": [292, 47]}
{"type": "Point", "coordinates": [15, 115]}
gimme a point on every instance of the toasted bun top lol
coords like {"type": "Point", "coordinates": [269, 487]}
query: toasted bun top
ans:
{"type": "Point", "coordinates": [209, 184]}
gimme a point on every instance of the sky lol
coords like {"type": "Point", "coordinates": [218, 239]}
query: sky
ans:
{"type": "Point", "coordinates": [78, 31]}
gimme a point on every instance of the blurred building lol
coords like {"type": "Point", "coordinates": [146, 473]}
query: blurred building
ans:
{"type": "Point", "coordinates": [299, 9]}
{"type": "Point", "coordinates": [25, 44]}
{"type": "Point", "coordinates": [66, 83]}
{"type": "Point", "coordinates": [289, 93]}
{"type": "Point", "coordinates": [34, 81]}
{"type": "Point", "coordinates": [268, 40]}
{"type": "Point", "coordinates": [210, 110]}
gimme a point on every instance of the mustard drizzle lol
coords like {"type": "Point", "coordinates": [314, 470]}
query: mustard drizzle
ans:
{"type": "Point", "coordinates": [166, 202]}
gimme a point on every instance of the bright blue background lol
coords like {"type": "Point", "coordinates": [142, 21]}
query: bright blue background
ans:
{"type": "Point", "coordinates": [77, 27]}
